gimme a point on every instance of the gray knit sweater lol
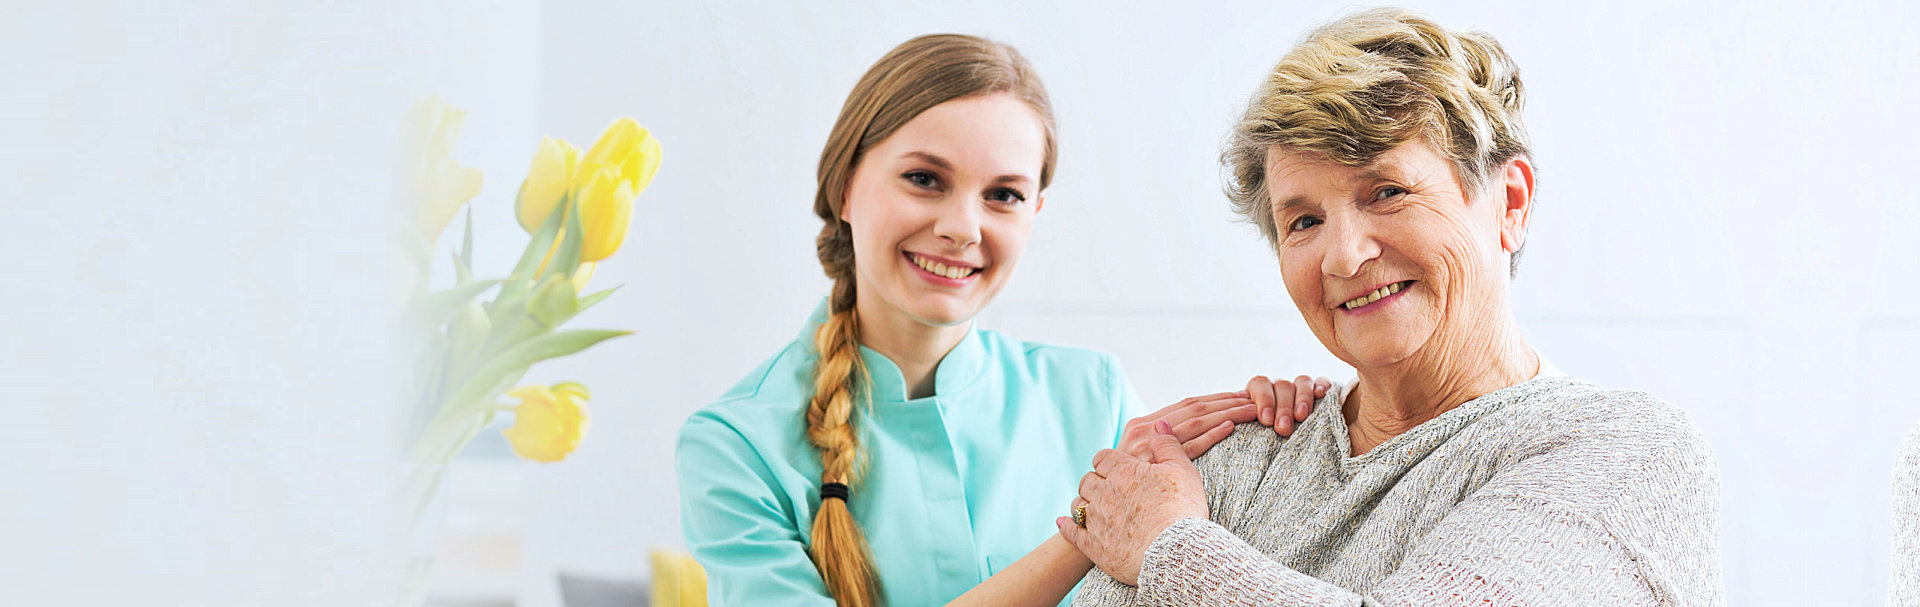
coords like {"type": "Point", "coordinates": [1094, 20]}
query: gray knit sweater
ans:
{"type": "Point", "coordinates": [1549, 492]}
{"type": "Point", "coordinates": [1904, 588]}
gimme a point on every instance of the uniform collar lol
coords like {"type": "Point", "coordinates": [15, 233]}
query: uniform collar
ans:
{"type": "Point", "coordinates": [886, 384]}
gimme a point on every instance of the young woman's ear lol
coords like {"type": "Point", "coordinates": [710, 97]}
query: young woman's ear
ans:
{"type": "Point", "coordinates": [846, 206]}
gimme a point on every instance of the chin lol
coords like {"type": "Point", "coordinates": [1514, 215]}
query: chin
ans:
{"type": "Point", "coordinates": [944, 319]}
{"type": "Point", "coordinates": [1379, 353]}
{"type": "Point", "coordinates": [944, 313]}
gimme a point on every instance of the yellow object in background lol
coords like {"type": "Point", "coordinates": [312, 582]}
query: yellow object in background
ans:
{"type": "Point", "coordinates": [603, 184]}
{"type": "Point", "coordinates": [606, 209]}
{"type": "Point", "coordinates": [556, 166]}
{"type": "Point", "coordinates": [549, 422]}
{"type": "Point", "coordinates": [435, 184]}
{"type": "Point", "coordinates": [678, 580]}
{"type": "Point", "coordinates": [618, 167]}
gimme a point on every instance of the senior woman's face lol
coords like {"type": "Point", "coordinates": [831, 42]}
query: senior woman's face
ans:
{"type": "Point", "coordinates": [1393, 260]}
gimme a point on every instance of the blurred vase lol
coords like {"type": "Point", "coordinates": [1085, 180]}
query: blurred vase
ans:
{"type": "Point", "coordinates": [420, 513]}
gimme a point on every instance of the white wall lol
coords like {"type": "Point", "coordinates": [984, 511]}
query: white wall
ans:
{"type": "Point", "coordinates": [192, 227]}
{"type": "Point", "coordinates": [192, 192]}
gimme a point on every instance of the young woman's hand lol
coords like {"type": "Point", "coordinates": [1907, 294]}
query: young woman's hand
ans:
{"type": "Point", "coordinates": [1199, 423]}
{"type": "Point", "coordinates": [1284, 404]}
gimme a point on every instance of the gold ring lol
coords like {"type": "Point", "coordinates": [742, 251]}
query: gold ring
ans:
{"type": "Point", "coordinates": [1080, 516]}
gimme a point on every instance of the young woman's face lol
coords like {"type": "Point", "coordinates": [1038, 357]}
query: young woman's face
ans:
{"type": "Point", "coordinates": [941, 209]}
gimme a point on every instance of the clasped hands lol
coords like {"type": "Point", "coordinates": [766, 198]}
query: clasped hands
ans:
{"type": "Point", "coordinates": [1136, 491]}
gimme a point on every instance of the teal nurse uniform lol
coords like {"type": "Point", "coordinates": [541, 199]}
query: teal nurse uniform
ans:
{"type": "Point", "coordinates": [956, 486]}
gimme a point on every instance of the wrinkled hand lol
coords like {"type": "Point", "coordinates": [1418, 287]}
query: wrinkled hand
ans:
{"type": "Point", "coordinates": [1130, 500]}
{"type": "Point", "coordinates": [1283, 404]}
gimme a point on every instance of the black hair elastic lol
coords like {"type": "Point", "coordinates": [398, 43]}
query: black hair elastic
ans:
{"type": "Point", "coordinates": [833, 490]}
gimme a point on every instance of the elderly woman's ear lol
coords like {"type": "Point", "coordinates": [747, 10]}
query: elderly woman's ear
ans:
{"type": "Point", "coordinates": [1514, 186]}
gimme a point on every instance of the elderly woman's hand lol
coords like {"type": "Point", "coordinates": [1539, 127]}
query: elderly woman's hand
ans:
{"type": "Point", "coordinates": [1130, 500]}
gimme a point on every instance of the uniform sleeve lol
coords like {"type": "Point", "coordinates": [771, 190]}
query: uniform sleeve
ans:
{"type": "Point", "coordinates": [737, 524]}
{"type": "Point", "coordinates": [1126, 402]}
{"type": "Point", "coordinates": [1597, 513]}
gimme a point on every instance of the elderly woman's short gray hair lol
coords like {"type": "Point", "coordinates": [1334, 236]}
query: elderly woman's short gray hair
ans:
{"type": "Point", "coordinates": [1362, 85]}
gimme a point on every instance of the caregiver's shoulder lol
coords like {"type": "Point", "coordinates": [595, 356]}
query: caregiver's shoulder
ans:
{"type": "Point", "coordinates": [1044, 360]}
{"type": "Point", "coordinates": [774, 392]}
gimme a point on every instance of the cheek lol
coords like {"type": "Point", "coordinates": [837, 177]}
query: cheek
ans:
{"type": "Point", "coordinates": [1007, 238]}
{"type": "Point", "coordinates": [1444, 246]}
{"type": "Point", "coordinates": [1299, 270]}
{"type": "Point", "coordinates": [877, 221]}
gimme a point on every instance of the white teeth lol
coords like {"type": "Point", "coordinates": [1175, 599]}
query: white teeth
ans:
{"type": "Point", "coordinates": [1372, 297]}
{"type": "Point", "coordinates": [941, 269]}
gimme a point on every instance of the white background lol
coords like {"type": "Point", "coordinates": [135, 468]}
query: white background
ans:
{"type": "Point", "coordinates": [191, 202]}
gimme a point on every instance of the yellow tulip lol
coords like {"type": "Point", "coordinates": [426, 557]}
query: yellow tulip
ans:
{"type": "Point", "coordinates": [549, 422]}
{"type": "Point", "coordinates": [581, 275]}
{"type": "Point", "coordinates": [620, 165]}
{"type": "Point", "coordinates": [630, 148]}
{"type": "Point", "coordinates": [606, 209]}
{"type": "Point", "coordinates": [678, 580]}
{"type": "Point", "coordinates": [556, 168]}
{"type": "Point", "coordinates": [436, 185]}
{"type": "Point", "coordinates": [604, 183]}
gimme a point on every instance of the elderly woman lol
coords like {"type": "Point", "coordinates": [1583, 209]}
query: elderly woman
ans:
{"type": "Point", "coordinates": [1385, 160]}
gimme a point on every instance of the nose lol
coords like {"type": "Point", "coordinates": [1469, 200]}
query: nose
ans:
{"type": "Point", "coordinates": [958, 224]}
{"type": "Point", "coordinates": [1350, 245]}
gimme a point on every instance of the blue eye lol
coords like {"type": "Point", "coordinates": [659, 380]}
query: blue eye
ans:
{"type": "Point", "coordinates": [1389, 192]}
{"type": "Point", "coordinates": [1304, 222]}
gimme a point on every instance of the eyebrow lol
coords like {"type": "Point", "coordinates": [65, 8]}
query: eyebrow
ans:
{"type": "Point", "coordinates": [948, 166]}
{"type": "Point", "coordinates": [1375, 171]}
{"type": "Point", "coordinates": [930, 159]}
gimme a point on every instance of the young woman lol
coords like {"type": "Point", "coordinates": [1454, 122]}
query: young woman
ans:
{"type": "Point", "coordinates": [893, 453]}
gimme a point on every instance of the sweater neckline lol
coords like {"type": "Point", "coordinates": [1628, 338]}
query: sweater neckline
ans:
{"type": "Point", "coordinates": [1433, 431]}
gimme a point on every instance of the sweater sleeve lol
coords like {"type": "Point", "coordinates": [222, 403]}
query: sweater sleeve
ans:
{"type": "Point", "coordinates": [1904, 587]}
{"type": "Point", "coordinates": [1600, 512]}
{"type": "Point", "coordinates": [737, 524]}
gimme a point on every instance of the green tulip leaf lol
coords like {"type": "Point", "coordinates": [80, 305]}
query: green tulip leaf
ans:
{"type": "Point", "coordinates": [516, 359]}
{"type": "Point", "coordinates": [513, 323]}
{"type": "Point", "coordinates": [522, 278]}
{"type": "Point", "coordinates": [434, 310]}
{"type": "Point", "coordinates": [463, 262]}
{"type": "Point", "coordinates": [588, 301]}
{"type": "Point", "coordinates": [554, 302]}
{"type": "Point", "coordinates": [567, 259]}
{"type": "Point", "coordinates": [468, 333]}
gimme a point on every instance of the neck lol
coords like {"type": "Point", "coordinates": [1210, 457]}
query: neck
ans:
{"type": "Point", "coordinates": [1392, 399]}
{"type": "Point", "coordinates": [917, 348]}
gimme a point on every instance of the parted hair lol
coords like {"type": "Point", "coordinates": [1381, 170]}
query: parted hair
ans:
{"type": "Point", "coordinates": [1357, 87]}
{"type": "Point", "coordinates": [915, 76]}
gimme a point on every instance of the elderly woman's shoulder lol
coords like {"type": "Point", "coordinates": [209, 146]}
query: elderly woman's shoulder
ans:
{"type": "Point", "coordinates": [1576, 413]}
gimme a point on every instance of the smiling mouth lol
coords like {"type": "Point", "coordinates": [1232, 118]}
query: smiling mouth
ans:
{"type": "Point", "coordinates": [1376, 295]}
{"type": "Point", "coordinates": [940, 269]}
